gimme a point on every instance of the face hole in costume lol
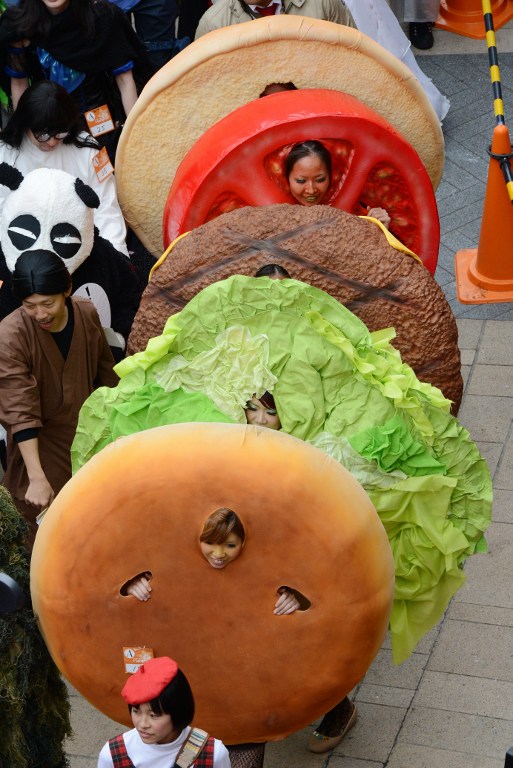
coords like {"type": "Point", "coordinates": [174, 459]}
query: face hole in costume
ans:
{"type": "Point", "coordinates": [24, 231]}
{"type": "Point", "coordinates": [222, 538]}
{"type": "Point", "coordinates": [304, 602]}
{"type": "Point", "coordinates": [124, 589]}
{"type": "Point", "coordinates": [274, 166]}
{"type": "Point", "coordinates": [66, 240]}
{"type": "Point", "coordinates": [341, 152]}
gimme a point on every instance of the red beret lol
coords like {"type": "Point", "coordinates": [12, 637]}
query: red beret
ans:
{"type": "Point", "coordinates": [150, 680]}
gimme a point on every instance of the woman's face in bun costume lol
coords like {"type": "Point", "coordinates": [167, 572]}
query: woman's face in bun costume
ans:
{"type": "Point", "coordinates": [222, 538]}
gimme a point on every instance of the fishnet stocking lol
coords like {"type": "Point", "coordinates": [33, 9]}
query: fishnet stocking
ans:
{"type": "Point", "coordinates": [247, 755]}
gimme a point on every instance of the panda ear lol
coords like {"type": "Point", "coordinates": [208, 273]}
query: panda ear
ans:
{"type": "Point", "coordinates": [10, 177]}
{"type": "Point", "coordinates": [86, 194]}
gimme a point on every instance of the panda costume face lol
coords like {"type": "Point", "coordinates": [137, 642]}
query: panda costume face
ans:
{"type": "Point", "coordinates": [49, 210]}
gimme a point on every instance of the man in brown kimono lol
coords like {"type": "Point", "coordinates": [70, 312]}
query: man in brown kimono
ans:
{"type": "Point", "coordinates": [53, 355]}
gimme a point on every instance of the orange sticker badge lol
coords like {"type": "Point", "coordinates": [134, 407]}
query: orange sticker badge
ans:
{"type": "Point", "coordinates": [99, 120]}
{"type": "Point", "coordinates": [134, 657]}
{"type": "Point", "coordinates": [102, 165]}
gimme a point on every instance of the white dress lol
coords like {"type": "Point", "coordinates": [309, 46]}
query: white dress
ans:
{"type": "Point", "coordinates": [78, 161]}
{"type": "Point", "coordinates": [416, 10]}
{"type": "Point", "coordinates": [375, 19]}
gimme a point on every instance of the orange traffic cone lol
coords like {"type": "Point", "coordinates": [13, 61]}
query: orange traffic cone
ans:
{"type": "Point", "coordinates": [465, 17]}
{"type": "Point", "coordinates": [485, 275]}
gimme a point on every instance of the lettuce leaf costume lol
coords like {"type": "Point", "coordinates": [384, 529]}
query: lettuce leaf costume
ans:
{"type": "Point", "coordinates": [336, 385]}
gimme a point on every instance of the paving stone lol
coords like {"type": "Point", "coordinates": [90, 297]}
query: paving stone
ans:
{"type": "Point", "coordinates": [374, 734]}
{"type": "Point", "coordinates": [486, 418]}
{"type": "Point", "coordinates": [461, 199]}
{"type": "Point", "coordinates": [418, 756]}
{"type": "Point", "coordinates": [491, 453]}
{"type": "Point", "coordinates": [489, 575]}
{"type": "Point", "coordinates": [442, 275]}
{"type": "Point", "coordinates": [503, 478]}
{"type": "Point", "coordinates": [485, 311]}
{"type": "Point", "coordinates": [384, 694]}
{"type": "Point", "coordinates": [348, 762]}
{"type": "Point", "coordinates": [469, 333]}
{"type": "Point", "coordinates": [461, 693]}
{"type": "Point", "coordinates": [445, 190]}
{"type": "Point", "coordinates": [91, 729]}
{"type": "Point", "coordinates": [82, 762]}
{"type": "Point", "coordinates": [464, 648]}
{"type": "Point", "coordinates": [292, 752]}
{"type": "Point", "coordinates": [502, 506]}
{"type": "Point", "coordinates": [496, 344]}
{"type": "Point", "coordinates": [457, 240]}
{"type": "Point", "coordinates": [457, 732]}
{"type": "Point", "coordinates": [491, 379]}
{"type": "Point", "coordinates": [484, 614]}
{"type": "Point", "coordinates": [467, 357]}
{"type": "Point", "coordinates": [407, 675]}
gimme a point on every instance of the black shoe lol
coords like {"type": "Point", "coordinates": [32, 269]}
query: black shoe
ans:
{"type": "Point", "coordinates": [420, 35]}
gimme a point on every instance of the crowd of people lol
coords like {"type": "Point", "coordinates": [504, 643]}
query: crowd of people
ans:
{"type": "Point", "coordinates": [73, 70]}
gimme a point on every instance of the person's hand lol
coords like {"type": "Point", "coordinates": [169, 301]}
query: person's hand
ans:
{"type": "Point", "coordinates": [286, 603]}
{"type": "Point", "coordinates": [39, 493]}
{"type": "Point", "coordinates": [381, 215]}
{"type": "Point", "coordinates": [140, 587]}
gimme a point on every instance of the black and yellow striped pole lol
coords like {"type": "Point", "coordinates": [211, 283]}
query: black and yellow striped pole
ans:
{"type": "Point", "coordinates": [498, 104]}
{"type": "Point", "coordinates": [485, 274]}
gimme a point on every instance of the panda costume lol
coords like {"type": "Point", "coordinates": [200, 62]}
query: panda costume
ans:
{"type": "Point", "coordinates": [49, 209]}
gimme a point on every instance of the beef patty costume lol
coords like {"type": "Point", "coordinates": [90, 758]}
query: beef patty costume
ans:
{"type": "Point", "coordinates": [336, 385]}
{"type": "Point", "coordinates": [190, 747]}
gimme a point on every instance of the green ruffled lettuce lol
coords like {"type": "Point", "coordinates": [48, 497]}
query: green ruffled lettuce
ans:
{"type": "Point", "coordinates": [392, 446]}
{"type": "Point", "coordinates": [336, 385]}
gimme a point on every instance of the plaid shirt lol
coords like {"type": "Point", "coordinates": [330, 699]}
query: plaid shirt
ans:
{"type": "Point", "coordinates": [120, 757]}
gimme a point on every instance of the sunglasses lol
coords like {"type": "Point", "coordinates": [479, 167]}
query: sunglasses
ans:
{"type": "Point", "coordinates": [43, 136]}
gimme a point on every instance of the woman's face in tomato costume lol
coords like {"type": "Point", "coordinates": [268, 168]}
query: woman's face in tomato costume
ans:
{"type": "Point", "coordinates": [309, 180]}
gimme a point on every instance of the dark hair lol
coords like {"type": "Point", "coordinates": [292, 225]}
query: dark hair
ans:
{"type": "Point", "coordinates": [306, 149]}
{"type": "Point", "coordinates": [175, 700]}
{"type": "Point", "coordinates": [46, 106]}
{"type": "Point", "coordinates": [268, 400]}
{"type": "Point", "coordinates": [39, 272]}
{"type": "Point", "coordinates": [271, 88]}
{"type": "Point", "coordinates": [271, 269]}
{"type": "Point", "coordinates": [33, 18]}
{"type": "Point", "coordinates": [220, 524]}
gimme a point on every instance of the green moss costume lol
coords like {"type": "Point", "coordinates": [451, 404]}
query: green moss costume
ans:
{"type": "Point", "coordinates": [337, 386]}
{"type": "Point", "coordinates": [34, 704]}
